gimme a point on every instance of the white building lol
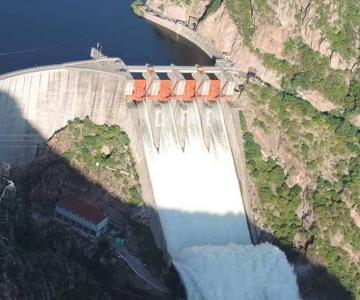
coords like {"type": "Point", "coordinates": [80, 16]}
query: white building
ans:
{"type": "Point", "coordinates": [85, 218]}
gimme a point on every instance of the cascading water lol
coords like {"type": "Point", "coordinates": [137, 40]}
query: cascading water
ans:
{"type": "Point", "coordinates": [199, 202]}
{"type": "Point", "coordinates": [236, 272]}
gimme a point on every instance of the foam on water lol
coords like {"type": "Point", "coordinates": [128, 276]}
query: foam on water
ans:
{"type": "Point", "coordinates": [236, 272]}
{"type": "Point", "coordinates": [198, 198]}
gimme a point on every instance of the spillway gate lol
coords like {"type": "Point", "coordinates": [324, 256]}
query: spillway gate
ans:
{"type": "Point", "coordinates": [180, 84]}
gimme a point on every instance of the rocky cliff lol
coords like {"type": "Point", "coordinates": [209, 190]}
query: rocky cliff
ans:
{"type": "Point", "coordinates": [258, 34]}
{"type": "Point", "coordinates": [180, 10]}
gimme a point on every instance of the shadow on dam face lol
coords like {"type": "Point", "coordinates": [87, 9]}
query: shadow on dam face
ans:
{"type": "Point", "coordinates": [34, 166]}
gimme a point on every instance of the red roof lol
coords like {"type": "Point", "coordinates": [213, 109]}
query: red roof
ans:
{"type": "Point", "coordinates": [82, 209]}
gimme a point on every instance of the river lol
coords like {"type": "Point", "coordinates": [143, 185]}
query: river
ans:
{"type": "Point", "coordinates": [42, 32]}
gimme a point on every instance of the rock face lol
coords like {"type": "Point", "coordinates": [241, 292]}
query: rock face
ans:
{"type": "Point", "coordinates": [274, 22]}
{"type": "Point", "coordinates": [180, 10]}
{"type": "Point", "coordinates": [222, 31]}
{"type": "Point", "coordinates": [317, 100]}
{"type": "Point", "coordinates": [106, 150]}
{"type": "Point", "coordinates": [271, 39]}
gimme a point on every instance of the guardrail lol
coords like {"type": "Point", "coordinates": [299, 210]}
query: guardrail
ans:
{"type": "Point", "coordinates": [52, 67]}
{"type": "Point", "coordinates": [167, 69]}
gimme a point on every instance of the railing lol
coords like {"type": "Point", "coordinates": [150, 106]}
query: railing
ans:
{"type": "Point", "coordinates": [52, 67]}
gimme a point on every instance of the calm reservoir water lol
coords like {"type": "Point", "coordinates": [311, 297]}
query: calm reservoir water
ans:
{"type": "Point", "coordinates": [41, 32]}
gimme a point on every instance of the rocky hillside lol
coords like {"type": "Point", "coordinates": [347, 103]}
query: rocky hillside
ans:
{"type": "Point", "coordinates": [41, 258]}
{"type": "Point", "coordinates": [301, 125]}
{"type": "Point", "coordinates": [297, 44]}
{"type": "Point", "coordinates": [42, 262]}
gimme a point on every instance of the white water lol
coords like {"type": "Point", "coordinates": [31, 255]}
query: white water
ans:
{"type": "Point", "coordinates": [237, 272]}
{"type": "Point", "coordinates": [199, 202]}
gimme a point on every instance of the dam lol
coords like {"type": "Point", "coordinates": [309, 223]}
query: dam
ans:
{"type": "Point", "coordinates": [178, 131]}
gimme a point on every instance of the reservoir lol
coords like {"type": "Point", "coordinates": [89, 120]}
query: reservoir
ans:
{"type": "Point", "coordinates": [42, 32]}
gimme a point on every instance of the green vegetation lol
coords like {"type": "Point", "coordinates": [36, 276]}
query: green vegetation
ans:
{"type": "Point", "coordinates": [311, 72]}
{"type": "Point", "coordinates": [103, 154]}
{"type": "Point", "coordinates": [264, 10]}
{"type": "Point", "coordinates": [179, 2]}
{"type": "Point", "coordinates": [326, 135]}
{"type": "Point", "coordinates": [344, 33]}
{"type": "Point", "coordinates": [137, 7]}
{"type": "Point", "coordinates": [303, 67]}
{"type": "Point", "coordinates": [328, 145]}
{"type": "Point", "coordinates": [278, 201]}
{"type": "Point", "coordinates": [241, 13]}
{"type": "Point", "coordinates": [242, 121]}
{"type": "Point", "coordinates": [260, 124]}
{"type": "Point", "coordinates": [214, 6]}
{"type": "Point", "coordinates": [46, 259]}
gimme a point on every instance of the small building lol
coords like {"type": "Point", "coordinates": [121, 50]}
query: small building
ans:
{"type": "Point", "coordinates": [86, 219]}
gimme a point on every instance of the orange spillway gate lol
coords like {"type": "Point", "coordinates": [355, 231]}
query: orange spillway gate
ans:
{"type": "Point", "coordinates": [214, 91]}
{"type": "Point", "coordinates": [165, 93]}
{"type": "Point", "coordinates": [165, 90]}
{"type": "Point", "coordinates": [139, 90]}
{"type": "Point", "coordinates": [190, 90]}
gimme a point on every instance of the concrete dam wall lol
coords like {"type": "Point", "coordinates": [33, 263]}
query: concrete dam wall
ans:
{"type": "Point", "coordinates": [36, 104]}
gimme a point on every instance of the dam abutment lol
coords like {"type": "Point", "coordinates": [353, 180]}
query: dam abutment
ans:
{"type": "Point", "coordinates": [234, 130]}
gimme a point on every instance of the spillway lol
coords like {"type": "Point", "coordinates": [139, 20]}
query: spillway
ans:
{"type": "Point", "coordinates": [200, 207]}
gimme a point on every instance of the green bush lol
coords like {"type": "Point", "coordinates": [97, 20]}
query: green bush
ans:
{"type": "Point", "coordinates": [270, 179]}
{"type": "Point", "coordinates": [135, 195]}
